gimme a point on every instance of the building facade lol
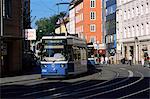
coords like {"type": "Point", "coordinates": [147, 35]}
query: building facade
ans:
{"type": "Point", "coordinates": [63, 27]}
{"type": "Point", "coordinates": [86, 19]}
{"type": "Point", "coordinates": [110, 26]}
{"type": "Point", "coordinates": [72, 19]}
{"type": "Point", "coordinates": [12, 36]}
{"type": "Point", "coordinates": [26, 15]}
{"type": "Point", "coordinates": [133, 29]}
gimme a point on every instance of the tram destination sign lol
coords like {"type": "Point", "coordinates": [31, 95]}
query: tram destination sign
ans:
{"type": "Point", "coordinates": [55, 42]}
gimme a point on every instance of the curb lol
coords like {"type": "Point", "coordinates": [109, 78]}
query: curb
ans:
{"type": "Point", "coordinates": [7, 80]}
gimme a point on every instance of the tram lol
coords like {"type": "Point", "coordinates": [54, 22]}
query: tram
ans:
{"type": "Point", "coordinates": [91, 57]}
{"type": "Point", "coordinates": [63, 56]}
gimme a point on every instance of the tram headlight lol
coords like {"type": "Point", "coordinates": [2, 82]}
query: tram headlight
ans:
{"type": "Point", "coordinates": [62, 65]}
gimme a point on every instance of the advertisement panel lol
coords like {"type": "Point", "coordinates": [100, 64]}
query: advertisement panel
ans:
{"type": "Point", "coordinates": [30, 34]}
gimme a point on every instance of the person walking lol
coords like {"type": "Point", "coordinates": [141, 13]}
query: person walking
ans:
{"type": "Point", "coordinates": [102, 60]}
{"type": "Point", "coordinates": [130, 60]}
{"type": "Point", "coordinates": [106, 60]}
{"type": "Point", "coordinates": [142, 61]}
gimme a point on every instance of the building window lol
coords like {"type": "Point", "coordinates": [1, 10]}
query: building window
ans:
{"type": "Point", "coordinates": [142, 29]}
{"type": "Point", "coordinates": [137, 11]}
{"type": "Point", "coordinates": [147, 5]}
{"type": "Point", "coordinates": [128, 32]}
{"type": "Point", "coordinates": [125, 33]}
{"type": "Point", "coordinates": [129, 14]}
{"type": "Point", "coordinates": [147, 28]}
{"type": "Point", "coordinates": [132, 12]}
{"type": "Point", "coordinates": [111, 38]}
{"type": "Point", "coordinates": [93, 39]}
{"type": "Point", "coordinates": [137, 30]}
{"type": "Point", "coordinates": [93, 3]}
{"type": "Point", "coordinates": [93, 28]}
{"type": "Point", "coordinates": [7, 8]}
{"type": "Point", "coordinates": [93, 15]}
{"type": "Point", "coordinates": [142, 9]}
{"type": "Point", "coordinates": [125, 15]}
{"type": "Point", "coordinates": [111, 10]}
{"type": "Point", "coordinates": [133, 32]}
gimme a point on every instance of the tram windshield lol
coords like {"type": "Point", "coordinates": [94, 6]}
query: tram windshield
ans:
{"type": "Point", "coordinates": [54, 51]}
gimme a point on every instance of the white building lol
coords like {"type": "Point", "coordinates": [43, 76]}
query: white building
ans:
{"type": "Point", "coordinates": [133, 29]}
{"type": "Point", "coordinates": [72, 20]}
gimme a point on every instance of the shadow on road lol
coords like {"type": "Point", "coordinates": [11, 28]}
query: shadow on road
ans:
{"type": "Point", "coordinates": [99, 86]}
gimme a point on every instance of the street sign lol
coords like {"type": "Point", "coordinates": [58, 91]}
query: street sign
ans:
{"type": "Point", "coordinates": [30, 34]}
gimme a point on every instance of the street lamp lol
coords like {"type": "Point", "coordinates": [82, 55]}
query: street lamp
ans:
{"type": "Point", "coordinates": [137, 50]}
{"type": "Point", "coordinates": [1, 34]}
{"type": "Point", "coordinates": [1, 5]}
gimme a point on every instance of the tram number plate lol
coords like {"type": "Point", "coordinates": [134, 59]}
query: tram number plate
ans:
{"type": "Point", "coordinates": [43, 70]}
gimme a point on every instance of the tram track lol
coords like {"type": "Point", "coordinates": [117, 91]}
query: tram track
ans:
{"type": "Point", "coordinates": [105, 93]}
{"type": "Point", "coordinates": [132, 94]}
{"type": "Point", "coordinates": [99, 88]}
{"type": "Point", "coordinates": [108, 83]}
{"type": "Point", "coordinates": [86, 86]}
{"type": "Point", "coordinates": [63, 88]}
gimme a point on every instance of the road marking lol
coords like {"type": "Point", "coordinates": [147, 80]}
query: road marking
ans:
{"type": "Point", "coordinates": [123, 68]}
{"type": "Point", "coordinates": [129, 71]}
{"type": "Point", "coordinates": [52, 89]}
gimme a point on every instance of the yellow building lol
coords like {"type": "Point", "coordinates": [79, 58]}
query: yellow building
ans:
{"type": "Point", "coordinates": [61, 29]}
{"type": "Point", "coordinates": [63, 26]}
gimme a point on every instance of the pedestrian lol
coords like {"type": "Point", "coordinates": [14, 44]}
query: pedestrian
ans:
{"type": "Point", "coordinates": [130, 60]}
{"type": "Point", "coordinates": [106, 60]}
{"type": "Point", "coordinates": [102, 60]}
{"type": "Point", "coordinates": [142, 61]}
{"type": "Point", "coordinates": [109, 60]}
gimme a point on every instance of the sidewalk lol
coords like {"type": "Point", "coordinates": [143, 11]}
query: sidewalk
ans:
{"type": "Point", "coordinates": [19, 78]}
{"type": "Point", "coordinates": [119, 65]}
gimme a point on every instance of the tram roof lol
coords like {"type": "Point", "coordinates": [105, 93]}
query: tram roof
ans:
{"type": "Point", "coordinates": [70, 39]}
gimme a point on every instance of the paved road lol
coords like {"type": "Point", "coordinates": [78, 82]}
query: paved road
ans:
{"type": "Point", "coordinates": [115, 81]}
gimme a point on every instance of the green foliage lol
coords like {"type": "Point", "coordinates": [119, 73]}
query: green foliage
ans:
{"type": "Point", "coordinates": [47, 25]}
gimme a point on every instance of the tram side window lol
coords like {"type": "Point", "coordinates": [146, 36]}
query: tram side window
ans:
{"type": "Point", "coordinates": [83, 54]}
{"type": "Point", "coordinates": [70, 54]}
{"type": "Point", "coordinates": [79, 54]}
{"type": "Point", "coordinates": [76, 54]}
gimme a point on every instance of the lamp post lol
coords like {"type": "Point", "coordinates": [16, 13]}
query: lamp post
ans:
{"type": "Point", "coordinates": [1, 34]}
{"type": "Point", "coordinates": [1, 5]}
{"type": "Point", "coordinates": [136, 50]}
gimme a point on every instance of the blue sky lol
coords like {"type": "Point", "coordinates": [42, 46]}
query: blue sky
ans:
{"type": "Point", "coordinates": [45, 8]}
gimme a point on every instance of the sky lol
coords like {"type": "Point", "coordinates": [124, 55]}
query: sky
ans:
{"type": "Point", "coordinates": [45, 8]}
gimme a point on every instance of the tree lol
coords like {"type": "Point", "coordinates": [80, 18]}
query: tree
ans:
{"type": "Point", "coordinates": [47, 25]}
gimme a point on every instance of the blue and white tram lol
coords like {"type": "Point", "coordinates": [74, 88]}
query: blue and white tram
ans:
{"type": "Point", "coordinates": [63, 56]}
{"type": "Point", "coordinates": [91, 56]}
